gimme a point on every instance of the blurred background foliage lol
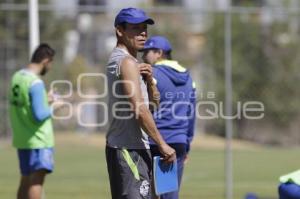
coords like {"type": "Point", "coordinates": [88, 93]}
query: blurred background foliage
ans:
{"type": "Point", "coordinates": [265, 61]}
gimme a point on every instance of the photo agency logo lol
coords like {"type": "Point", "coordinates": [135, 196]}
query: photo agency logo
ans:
{"type": "Point", "coordinates": [206, 106]}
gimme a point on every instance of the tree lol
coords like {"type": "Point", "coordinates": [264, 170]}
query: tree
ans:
{"type": "Point", "coordinates": [263, 70]}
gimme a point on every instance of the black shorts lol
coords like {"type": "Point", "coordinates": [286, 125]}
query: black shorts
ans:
{"type": "Point", "coordinates": [129, 173]}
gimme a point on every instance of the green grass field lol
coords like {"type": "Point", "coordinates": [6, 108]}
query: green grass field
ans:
{"type": "Point", "coordinates": [80, 171]}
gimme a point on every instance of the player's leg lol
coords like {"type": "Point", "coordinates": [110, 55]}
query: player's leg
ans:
{"type": "Point", "coordinates": [24, 161]}
{"type": "Point", "coordinates": [41, 163]}
{"type": "Point", "coordinates": [180, 167]}
{"type": "Point", "coordinates": [23, 188]}
{"type": "Point", "coordinates": [153, 195]}
{"type": "Point", "coordinates": [36, 181]}
{"type": "Point", "coordinates": [114, 172]}
{"type": "Point", "coordinates": [129, 173]}
{"type": "Point", "coordinates": [140, 177]}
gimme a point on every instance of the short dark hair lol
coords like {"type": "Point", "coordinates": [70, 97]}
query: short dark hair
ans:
{"type": "Point", "coordinates": [43, 51]}
{"type": "Point", "coordinates": [166, 54]}
{"type": "Point", "coordinates": [123, 25]}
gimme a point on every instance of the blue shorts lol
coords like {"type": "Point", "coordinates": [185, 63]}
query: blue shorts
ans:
{"type": "Point", "coordinates": [31, 160]}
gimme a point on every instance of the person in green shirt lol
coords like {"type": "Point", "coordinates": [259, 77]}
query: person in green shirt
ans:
{"type": "Point", "coordinates": [30, 118]}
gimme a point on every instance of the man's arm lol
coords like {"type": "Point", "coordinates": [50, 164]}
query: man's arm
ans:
{"type": "Point", "coordinates": [131, 73]}
{"type": "Point", "coordinates": [191, 124]}
{"type": "Point", "coordinates": [36, 93]}
{"type": "Point", "coordinates": [153, 93]}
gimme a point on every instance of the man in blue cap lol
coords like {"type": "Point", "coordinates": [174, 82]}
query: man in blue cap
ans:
{"type": "Point", "coordinates": [175, 117]}
{"type": "Point", "coordinates": [131, 87]}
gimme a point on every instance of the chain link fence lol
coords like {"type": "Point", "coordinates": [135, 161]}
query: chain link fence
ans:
{"type": "Point", "coordinates": [265, 63]}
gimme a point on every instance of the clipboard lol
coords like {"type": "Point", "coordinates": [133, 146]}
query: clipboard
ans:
{"type": "Point", "coordinates": [164, 176]}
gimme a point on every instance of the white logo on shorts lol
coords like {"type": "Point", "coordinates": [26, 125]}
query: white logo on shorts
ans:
{"type": "Point", "coordinates": [144, 188]}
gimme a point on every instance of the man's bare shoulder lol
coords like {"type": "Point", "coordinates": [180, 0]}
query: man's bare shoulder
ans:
{"type": "Point", "coordinates": [128, 65]}
{"type": "Point", "coordinates": [129, 61]}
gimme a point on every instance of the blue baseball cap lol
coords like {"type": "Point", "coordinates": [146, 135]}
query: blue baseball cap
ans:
{"type": "Point", "coordinates": [133, 16]}
{"type": "Point", "coordinates": [158, 42]}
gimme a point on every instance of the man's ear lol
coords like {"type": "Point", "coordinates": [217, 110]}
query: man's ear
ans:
{"type": "Point", "coordinates": [45, 61]}
{"type": "Point", "coordinates": [160, 52]}
{"type": "Point", "coordinates": [119, 31]}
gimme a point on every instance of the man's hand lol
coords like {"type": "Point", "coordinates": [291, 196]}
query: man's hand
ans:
{"type": "Point", "coordinates": [52, 97]}
{"type": "Point", "coordinates": [54, 100]}
{"type": "Point", "coordinates": [146, 71]}
{"type": "Point", "coordinates": [186, 159]}
{"type": "Point", "coordinates": [58, 104]}
{"type": "Point", "coordinates": [168, 153]}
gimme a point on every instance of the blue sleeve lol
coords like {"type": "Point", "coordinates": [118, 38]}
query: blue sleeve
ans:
{"type": "Point", "coordinates": [192, 113]}
{"type": "Point", "coordinates": [158, 81]}
{"type": "Point", "coordinates": [36, 93]}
